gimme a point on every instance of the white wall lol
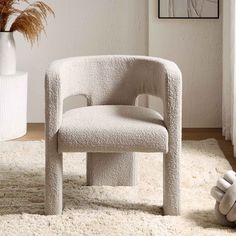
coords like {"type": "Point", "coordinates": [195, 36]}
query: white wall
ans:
{"type": "Point", "coordinates": [82, 27]}
{"type": "Point", "coordinates": [196, 46]}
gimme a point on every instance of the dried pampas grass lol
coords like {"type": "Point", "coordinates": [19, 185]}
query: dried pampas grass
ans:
{"type": "Point", "coordinates": [29, 22]}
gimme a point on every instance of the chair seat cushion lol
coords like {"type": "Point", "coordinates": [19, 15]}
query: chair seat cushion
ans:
{"type": "Point", "coordinates": [112, 129]}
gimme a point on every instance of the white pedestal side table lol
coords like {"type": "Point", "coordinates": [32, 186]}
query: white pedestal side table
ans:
{"type": "Point", "coordinates": [13, 105]}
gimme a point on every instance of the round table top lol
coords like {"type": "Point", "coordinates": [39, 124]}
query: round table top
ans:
{"type": "Point", "coordinates": [17, 74]}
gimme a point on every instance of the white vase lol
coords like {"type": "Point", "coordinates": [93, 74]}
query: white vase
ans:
{"type": "Point", "coordinates": [7, 54]}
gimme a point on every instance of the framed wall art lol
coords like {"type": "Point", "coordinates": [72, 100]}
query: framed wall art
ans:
{"type": "Point", "coordinates": [188, 9]}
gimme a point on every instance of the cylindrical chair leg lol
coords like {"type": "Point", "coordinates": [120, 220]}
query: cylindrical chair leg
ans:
{"type": "Point", "coordinates": [54, 184]}
{"type": "Point", "coordinates": [171, 185]}
{"type": "Point", "coordinates": [112, 169]}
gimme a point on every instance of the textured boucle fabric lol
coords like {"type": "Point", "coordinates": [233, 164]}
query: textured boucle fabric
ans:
{"type": "Point", "coordinates": [113, 80]}
{"type": "Point", "coordinates": [112, 129]}
{"type": "Point", "coordinates": [112, 169]}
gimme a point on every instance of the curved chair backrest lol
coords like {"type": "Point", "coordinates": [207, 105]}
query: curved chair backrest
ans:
{"type": "Point", "coordinates": [105, 80]}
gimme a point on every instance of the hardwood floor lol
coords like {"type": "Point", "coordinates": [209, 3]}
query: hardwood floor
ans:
{"type": "Point", "coordinates": [36, 132]}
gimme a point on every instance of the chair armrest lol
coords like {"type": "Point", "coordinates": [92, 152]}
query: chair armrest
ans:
{"type": "Point", "coordinates": [53, 101]}
{"type": "Point", "coordinates": [171, 94]}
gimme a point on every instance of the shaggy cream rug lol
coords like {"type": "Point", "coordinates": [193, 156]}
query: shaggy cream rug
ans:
{"type": "Point", "coordinates": [108, 210]}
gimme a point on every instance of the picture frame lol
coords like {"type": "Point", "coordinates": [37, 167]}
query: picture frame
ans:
{"type": "Point", "coordinates": [189, 10]}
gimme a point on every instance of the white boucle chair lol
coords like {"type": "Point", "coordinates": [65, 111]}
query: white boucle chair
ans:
{"type": "Point", "coordinates": [111, 128]}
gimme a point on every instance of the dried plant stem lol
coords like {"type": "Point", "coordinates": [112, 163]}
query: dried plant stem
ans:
{"type": "Point", "coordinates": [30, 21]}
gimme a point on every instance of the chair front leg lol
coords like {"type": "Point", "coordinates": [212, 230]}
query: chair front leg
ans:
{"type": "Point", "coordinates": [54, 183]}
{"type": "Point", "coordinates": [171, 184]}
